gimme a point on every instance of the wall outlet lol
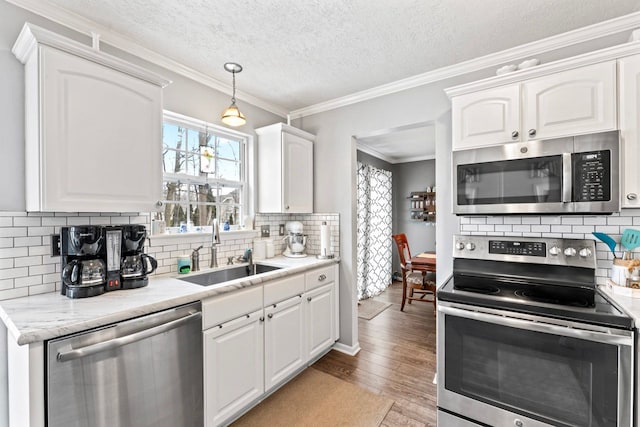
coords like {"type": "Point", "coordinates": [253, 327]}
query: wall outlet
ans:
{"type": "Point", "coordinates": [281, 229]}
{"type": "Point", "coordinates": [55, 245]}
{"type": "Point", "coordinates": [265, 231]}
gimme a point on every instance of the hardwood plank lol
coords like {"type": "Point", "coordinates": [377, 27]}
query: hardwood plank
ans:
{"type": "Point", "coordinates": [397, 359]}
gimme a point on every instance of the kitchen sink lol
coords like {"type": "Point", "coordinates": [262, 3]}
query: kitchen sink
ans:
{"type": "Point", "coordinates": [219, 276]}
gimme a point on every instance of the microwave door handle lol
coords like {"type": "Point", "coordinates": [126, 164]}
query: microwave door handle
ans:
{"type": "Point", "coordinates": [567, 178]}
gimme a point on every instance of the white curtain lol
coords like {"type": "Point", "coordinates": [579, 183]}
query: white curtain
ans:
{"type": "Point", "coordinates": [374, 230]}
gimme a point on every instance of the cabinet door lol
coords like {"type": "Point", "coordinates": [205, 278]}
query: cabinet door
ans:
{"type": "Point", "coordinates": [284, 341]}
{"type": "Point", "coordinates": [320, 313]}
{"type": "Point", "coordinates": [571, 102]}
{"type": "Point", "coordinates": [297, 180]}
{"type": "Point", "coordinates": [233, 367]}
{"type": "Point", "coordinates": [629, 102]}
{"type": "Point", "coordinates": [101, 142]}
{"type": "Point", "coordinates": [487, 117]}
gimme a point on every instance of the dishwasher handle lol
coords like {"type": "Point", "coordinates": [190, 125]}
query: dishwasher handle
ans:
{"type": "Point", "coordinates": [127, 339]}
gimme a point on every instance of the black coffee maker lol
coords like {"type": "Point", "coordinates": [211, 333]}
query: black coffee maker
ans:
{"type": "Point", "coordinates": [136, 265]}
{"type": "Point", "coordinates": [84, 271]}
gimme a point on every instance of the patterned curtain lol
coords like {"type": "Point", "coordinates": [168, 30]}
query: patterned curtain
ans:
{"type": "Point", "coordinates": [374, 230]}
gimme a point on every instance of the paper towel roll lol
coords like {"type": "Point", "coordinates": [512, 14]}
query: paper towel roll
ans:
{"type": "Point", "coordinates": [325, 239]}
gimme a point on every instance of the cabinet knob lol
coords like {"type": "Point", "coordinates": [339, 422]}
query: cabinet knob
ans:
{"type": "Point", "coordinates": [309, 299]}
{"type": "Point", "coordinates": [532, 132]}
{"type": "Point", "coordinates": [262, 318]}
{"type": "Point", "coordinates": [287, 207]}
{"type": "Point", "coordinates": [632, 196]}
{"type": "Point", "coordinates": [321, 277]}
{"type": "Point", "coordinates": [270, 315]}
{"type": "Point", "coordinates": [159, 203]}
{"type": "Point", "coordinates": [515, 134]}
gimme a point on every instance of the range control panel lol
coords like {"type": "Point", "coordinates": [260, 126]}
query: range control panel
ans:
{"type": "Point", "coordinates": [536, 250]}
{"type": "Point", "coordinates": [517, 248]}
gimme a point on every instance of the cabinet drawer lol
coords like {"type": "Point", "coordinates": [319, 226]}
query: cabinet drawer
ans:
{"type": "Point", "coordinates": [280, 290]}
{"type": "Point", "coordinates": [319, 277]}
{"type": "Point", "coordinates": [229, 306]}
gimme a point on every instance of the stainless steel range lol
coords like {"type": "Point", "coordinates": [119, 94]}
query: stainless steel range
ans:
{"type": "Point", "coordinates": [526, 339]}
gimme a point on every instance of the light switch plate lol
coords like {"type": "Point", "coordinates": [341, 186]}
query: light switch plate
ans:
{"type": "Point", "coordinates": [281, 229]}
{"type": "Point", "coordinates": [265, 231]}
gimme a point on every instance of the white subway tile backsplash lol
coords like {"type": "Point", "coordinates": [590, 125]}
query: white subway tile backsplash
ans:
{"type": "Point", "coordinates": [19, 242]}
{"type": "Point", "coordinates": [26, 267]}
{"type": "Point", "coordinates": [620, 220]}
{"type": "Point", "coordinates": [13, 231]}
{"type": "Point", "coordinates": [28, 221]}
{"type": "Point", "coordinates": [27, 261]}
{"type": "Point", "coordinates": [40, 231]}
{"type": "Point", "coordinates": [27, 281]}
{"type": "Point", "coordinates": [11, 273]}
{"type": "Point", "coordinates": [14, 293]}
{"type": "Point", "coordinates": [557, 226]}
{"type": "Point", "coordinates": [42, 289]}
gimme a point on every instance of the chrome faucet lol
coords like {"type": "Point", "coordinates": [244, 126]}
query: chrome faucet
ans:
{"type": "Point", "coordinates": [215, 241]}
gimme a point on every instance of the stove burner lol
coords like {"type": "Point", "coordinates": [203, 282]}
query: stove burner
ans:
{"type": "Point", "coordinates": [487, 290]}
{"type": "Point", "coordinates": [535, 296]}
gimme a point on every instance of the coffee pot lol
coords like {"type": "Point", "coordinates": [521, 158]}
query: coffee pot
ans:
{"type": "Point", "coordinates": [83, 269]}
{"type": "Point", "coordinates": [84, 274]}
{"type": "Point", "coordinates": [137, 266]}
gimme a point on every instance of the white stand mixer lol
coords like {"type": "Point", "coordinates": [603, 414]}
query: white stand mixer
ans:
{"type": "Point", "coordinates": [296, 240]}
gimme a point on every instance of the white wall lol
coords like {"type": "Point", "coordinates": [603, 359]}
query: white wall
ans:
{"type": "Point", "coordinates": [408, 177]}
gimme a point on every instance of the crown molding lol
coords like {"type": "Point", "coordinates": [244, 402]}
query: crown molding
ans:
{"type": "Point", "coordinates": [393, 160]}
{"type": "Point", "coordinates": [602, 29]}
{"type": "Point", "coordinates": [108, 36]}
{"type": "Point", "coordinates": [603, 55]}
{"type": "Point", "coordinates": [32, 35]}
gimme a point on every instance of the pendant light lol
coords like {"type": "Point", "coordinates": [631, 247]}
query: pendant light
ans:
{"type": "Point", "coordinates": [232, 115]}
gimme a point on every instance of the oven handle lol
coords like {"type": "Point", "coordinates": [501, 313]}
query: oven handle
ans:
{"type": "Point", "coordinates": [606, 338]}
{"type": "Point", "coordinates": [567, 177]}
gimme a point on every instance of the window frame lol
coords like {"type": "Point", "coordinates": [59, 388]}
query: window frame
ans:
{"type": "Point", "coordinates": [245, 207]}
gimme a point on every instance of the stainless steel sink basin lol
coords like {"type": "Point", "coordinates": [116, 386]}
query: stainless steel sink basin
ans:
{"type": "Point", "coordinates": [219, 276]}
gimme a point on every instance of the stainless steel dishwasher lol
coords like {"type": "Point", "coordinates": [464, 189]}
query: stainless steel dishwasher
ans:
{"type": "Point", "coordinates": [141, 372]}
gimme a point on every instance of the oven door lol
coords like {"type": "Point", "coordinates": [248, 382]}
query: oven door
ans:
{"type": "Point", "coordinates": [503, 368]}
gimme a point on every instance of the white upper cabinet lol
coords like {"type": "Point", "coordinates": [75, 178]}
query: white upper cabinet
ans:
{"type": "Point", "coordinates": [576, 101]}
{"type": "Point", "coordinates": [487, 117]}
{"type": "Point", "coordinates": [285, 170]}
{"type": "Point", "coordinates": [93, 128]}
{"type": "Point", "coordinates": [582, 100]}
{"type": "Point", "coordinates": [629, 103]}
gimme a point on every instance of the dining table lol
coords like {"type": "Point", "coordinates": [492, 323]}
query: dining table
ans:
{"type": "Point", "coordinates": [424, 261]}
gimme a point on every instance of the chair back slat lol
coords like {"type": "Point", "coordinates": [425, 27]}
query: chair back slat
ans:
{"type": "Point", "coordinates": [403, 249]}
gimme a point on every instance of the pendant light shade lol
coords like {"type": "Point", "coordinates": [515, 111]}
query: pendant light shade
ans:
{"type": "Point", "coordinates": [232, 115]}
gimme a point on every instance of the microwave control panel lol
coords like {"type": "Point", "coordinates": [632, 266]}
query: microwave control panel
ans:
{"type": "Point", "coordinates": [591, 176]}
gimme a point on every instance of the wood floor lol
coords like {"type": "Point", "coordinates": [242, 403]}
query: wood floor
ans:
{"type": "Point", "coordinates": [397, 359]}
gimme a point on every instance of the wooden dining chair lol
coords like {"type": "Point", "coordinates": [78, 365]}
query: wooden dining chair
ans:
{"type": "Point", "coordinates": [418, 282]}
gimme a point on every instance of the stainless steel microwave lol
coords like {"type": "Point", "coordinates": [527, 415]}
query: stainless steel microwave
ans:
{"type": "Point", "coordinates": [578, 174]}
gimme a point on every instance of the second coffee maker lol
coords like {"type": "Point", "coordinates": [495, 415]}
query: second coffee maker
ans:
{"type": "Point", "coordinates": [136, 265]}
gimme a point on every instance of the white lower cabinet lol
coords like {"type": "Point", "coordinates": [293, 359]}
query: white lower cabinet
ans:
{"type": "Point", "coordinates": [284, 341]}
{"type": "Point", "coordinates": [257, 338]}
{"type": "Point", "coordinates": [233, 367]}
{"type": "Point", "coordinates": [320, 320]}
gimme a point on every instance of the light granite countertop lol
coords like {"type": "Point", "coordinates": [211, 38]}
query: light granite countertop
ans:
{"type": "Point", "coordinates": [623, 297]}
{"type": "Point", "coordinates": [41, 317]}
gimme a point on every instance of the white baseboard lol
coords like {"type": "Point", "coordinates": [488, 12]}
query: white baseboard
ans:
{"type": "Point", "coordinates": [350, 350]}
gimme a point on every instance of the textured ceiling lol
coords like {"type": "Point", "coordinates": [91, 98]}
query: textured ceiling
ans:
{"type": "Point", "coordinates": [401, 145]}
{"type": "Point", "coordinates": [298, 53]}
